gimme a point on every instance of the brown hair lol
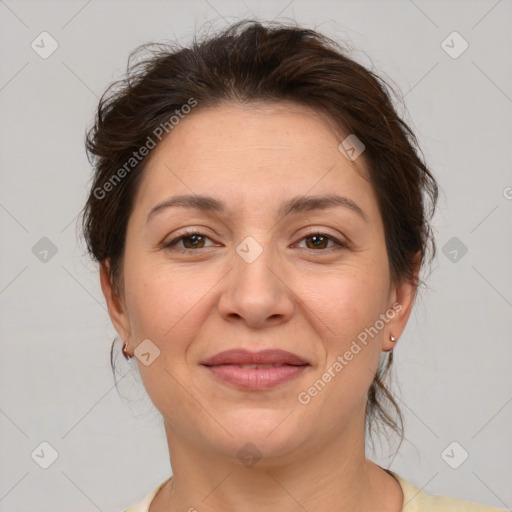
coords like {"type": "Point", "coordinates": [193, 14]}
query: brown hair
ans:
{"type": "Point", "coordinates": [252, 62]}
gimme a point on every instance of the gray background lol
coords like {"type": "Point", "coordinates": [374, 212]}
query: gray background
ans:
{"type": "Point", "coordinates": [56, 386]}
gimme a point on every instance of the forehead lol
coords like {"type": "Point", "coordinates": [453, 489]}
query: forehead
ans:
{"type": "Point", "coordinates": [250, 154]}
{"type": "Point", "coordinates": [267, 128]}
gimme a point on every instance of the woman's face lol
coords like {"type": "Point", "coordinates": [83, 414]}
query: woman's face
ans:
{"type": "Point", "coordinates": [312, 280]}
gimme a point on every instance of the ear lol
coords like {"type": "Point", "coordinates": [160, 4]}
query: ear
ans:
{"type": "Point", "coordinates": [116, 308]}
{"type": "Point", "coordinates": [402, 297]}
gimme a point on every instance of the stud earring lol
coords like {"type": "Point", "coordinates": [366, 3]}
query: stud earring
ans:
{"type": "Point", "coordinates": [392, 338]}
{"type": "Point", "coordinates": [125, 352]}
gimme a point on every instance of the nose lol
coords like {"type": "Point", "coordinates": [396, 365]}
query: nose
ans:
{"type": "Point", "coordinates": [256, 292]}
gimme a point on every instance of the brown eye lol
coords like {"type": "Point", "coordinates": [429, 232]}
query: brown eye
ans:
{"type": "Point", "coordinates": [316, 241]}
{"type": "Point", "coordinates": [189, 240]}
{"type": "Point", "coordinates": [193, 241]}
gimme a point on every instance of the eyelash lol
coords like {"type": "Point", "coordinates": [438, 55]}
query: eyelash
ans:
{"type": "Point", "coordinates": [171, 245]}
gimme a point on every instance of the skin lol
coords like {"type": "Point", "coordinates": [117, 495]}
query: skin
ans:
{"type": "Point", "coordinates": [295, 296]}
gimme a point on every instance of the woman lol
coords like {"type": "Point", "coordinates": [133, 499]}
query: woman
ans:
{"type": "Point", "coordinates": [261, 217]}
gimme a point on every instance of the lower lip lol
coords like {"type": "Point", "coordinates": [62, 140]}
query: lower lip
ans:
{"type": "Point", "coordinates": [256, 378]}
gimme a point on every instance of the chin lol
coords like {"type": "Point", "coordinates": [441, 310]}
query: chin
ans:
{"type": "Point", "coordinates": [262, 435]}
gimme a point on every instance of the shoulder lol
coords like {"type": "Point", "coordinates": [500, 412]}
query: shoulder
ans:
{"type": "Point", "coordinates": [143, 505]}
{"type": "Point", "coordinates": [415, 500]}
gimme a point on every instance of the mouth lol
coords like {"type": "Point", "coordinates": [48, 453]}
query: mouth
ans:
{"type": "Point", "coordinates": [255, 370]}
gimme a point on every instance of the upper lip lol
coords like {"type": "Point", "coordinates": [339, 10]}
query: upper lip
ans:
{"type": "Point", "coordinates": [243, 357]}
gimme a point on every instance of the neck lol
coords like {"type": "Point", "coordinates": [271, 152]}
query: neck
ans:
{"type": "Point", "coordinates": [334, 476]}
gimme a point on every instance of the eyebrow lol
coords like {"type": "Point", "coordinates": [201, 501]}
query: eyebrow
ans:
{"type": "Point", "coordinates": [295, 205]}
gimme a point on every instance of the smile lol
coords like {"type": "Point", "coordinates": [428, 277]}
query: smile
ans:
{"type": "Point", "coordinates": [256, 376]}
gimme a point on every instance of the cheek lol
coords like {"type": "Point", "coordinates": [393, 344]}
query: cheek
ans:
{"type": "Point", "coordinates": [164, 303]}
{"type": "Point", "coordinates": [345, 301]}
{"type": "Point", "coordinates": [168, 307]}
{"type": "Point", "coordinates": [346, 307]}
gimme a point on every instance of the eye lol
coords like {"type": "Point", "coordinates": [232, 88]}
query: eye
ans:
{"type": "Point", "coordinates": [191, 240]}
{"type": "Point", "coordinates": [319, 241]}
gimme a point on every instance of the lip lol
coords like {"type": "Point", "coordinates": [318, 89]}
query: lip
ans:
{"type": "Point", "coordinates": [242, 356]}
{"type": "Point", "coordinates": [256, 370]}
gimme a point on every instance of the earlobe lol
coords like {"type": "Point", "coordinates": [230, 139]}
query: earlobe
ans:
{"type": "Point", "coordinates": [402, 300]}
{"type": "Point", "coordinates": [389, 344]}
{"type": "Point", "coordinates": [116, 308]}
